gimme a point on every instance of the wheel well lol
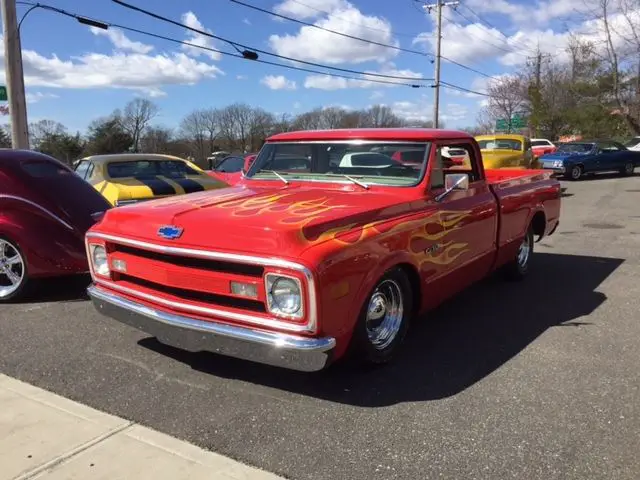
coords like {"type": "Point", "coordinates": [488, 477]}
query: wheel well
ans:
{"type": "Point", "coordinates": [539, 224]}
{"type": "Point", "coordinates": [414, 280]}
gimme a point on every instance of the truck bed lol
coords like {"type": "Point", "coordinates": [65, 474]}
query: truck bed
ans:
{"type": "Point", "coordinates": [507, 175]}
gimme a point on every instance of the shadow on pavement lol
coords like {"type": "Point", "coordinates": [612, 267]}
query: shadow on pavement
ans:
{"type": "Point", "coordinates": [59, 289]}
{"type": "Point", "coordinates": [457, 345]}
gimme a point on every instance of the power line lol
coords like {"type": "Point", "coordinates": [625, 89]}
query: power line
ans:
{"type": "Point", "coordinates": [251, 50]}
{"type": "Point", "coordinates": [462, 89]}
{"type": "Point", "coordinates": [230, 54]}
{"type": "Point", "coordinates": [335, 32]}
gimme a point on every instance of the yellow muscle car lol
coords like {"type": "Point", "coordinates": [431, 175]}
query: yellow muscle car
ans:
{"type": "Point", "coordinates": [506, 151]}
{"type": "Point", "coordinates": [132, 177]}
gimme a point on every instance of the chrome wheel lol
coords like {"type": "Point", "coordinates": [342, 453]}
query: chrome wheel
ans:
{"type": "Point", "coordinates": [524, 251]}
{"type": "Point", "coordinates": [385, 313]}
{"type": "Point", "coordinates": [576, 172]}
{"type": "Point", "coordinates": [628, 169]}
{"type": "Point", "coordinates": [12, 269]}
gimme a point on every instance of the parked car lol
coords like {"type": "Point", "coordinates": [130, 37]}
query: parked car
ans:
{"type": "Point", "coordinates": [506, 151]}
{"type": "Point", "coordinates": [575, 159]}
{"type": "Point", "coordinates": [45, 211]}
{"type": "Point", "coordinates": [319, 256]}
{"type": "Point", "coordinates": [542, 146]}
{"type": "Point", "coordinates": [633, 144]}
{"type": "Point", "coordinates": [215, 158]}
{"type": "Point", "coordinates": [230, 169]}
{"type": "Point", "coordinates": [133, 177]}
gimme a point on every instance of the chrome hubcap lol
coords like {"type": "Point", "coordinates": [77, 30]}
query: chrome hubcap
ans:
{"type": "Point", "coordinates": [576, 172]}
{"type": "Point", "coordinates": [384, 314]}
{"type": "Point", "coordinates": [628, 168]}
{"type": "Point", "coordinates": [524, 251]}
{"type": "Point", "coordinates": [11, 269]}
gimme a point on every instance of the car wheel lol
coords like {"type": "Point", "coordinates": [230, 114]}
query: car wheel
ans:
{"type": "Point", "coordinates": [384, 319]}
{"type": "Point", "coordinates": [575, 173]}
{"type": "Point", "coordinates": [13, 271]}
{"type": "Point", "coordinates": [518, 268]}
{"type": "Point", "coordinates": [628, 169]}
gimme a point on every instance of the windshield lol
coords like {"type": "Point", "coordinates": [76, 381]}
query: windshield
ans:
{"type": "Point", "coordinates": [575, 147]}
{"type": "Point", "coordinates": [500, 144]}
{"type": "Point", "coordinates": [150, 168]}
{"type": "Point", "coordinates": [379, 163]}
{"type": "Point", "coordinates": [230, 165]}
{"type": "Point", "coordinates": [633, 142]}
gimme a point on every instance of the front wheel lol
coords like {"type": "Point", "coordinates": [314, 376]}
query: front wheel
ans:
{"type": "Point", "coordinates": [384, 319]}
{"type": "Point", "coordinates": [13, 271]}
{"type": "Point", "coordinates": [518, 268]}
{"type": "Point", "coordinates": [575, 173]}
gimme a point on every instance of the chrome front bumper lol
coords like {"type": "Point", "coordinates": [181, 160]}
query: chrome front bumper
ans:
{"type": "Point", "coordinates": [281, 350]}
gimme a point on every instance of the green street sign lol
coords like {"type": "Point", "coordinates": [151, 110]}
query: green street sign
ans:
{"type": "Point", "coordinates": [516, 122]}
{"type": "Point", "coordinates": [502, 124]}
{"type": "Point", "coordinates": [3, 94]}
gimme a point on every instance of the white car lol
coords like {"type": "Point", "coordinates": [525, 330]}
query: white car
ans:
{"type": "Point", "coordinates": [633, 144]}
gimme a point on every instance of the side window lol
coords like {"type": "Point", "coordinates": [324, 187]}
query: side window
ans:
{"type": "Point", "coordinates": [81, 168]}
{"type": "Point", "coordinates": [454, 158]}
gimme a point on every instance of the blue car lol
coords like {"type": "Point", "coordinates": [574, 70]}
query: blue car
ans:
{"type": "Point", "coordinates": [575, 159]}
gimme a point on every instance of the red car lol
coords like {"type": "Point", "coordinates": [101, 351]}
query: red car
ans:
{"type": "Point", "coordinates": [45, 211]}
{"type": "Point", "coordinates": [326, 247]}
{"type": "Point", "coordinates": [230, 168]}
{"type": "Point", "coordinates": [542, 146]}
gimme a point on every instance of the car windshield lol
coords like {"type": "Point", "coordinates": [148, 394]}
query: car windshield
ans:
{"type": "Point", "coordinates": [149, 168]}
{"type": "Point", "coordinates": [633, 142]}
{"type": "Point", "coordinates": [381, 163]}
{"type": "Point", "coordinates": [575, 147]}
{"type": "Point", "coordinates": [230, 165]}
{"type": "Point", "coordinates": [500, 144]}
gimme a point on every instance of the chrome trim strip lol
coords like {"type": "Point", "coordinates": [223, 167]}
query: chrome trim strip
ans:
{"type": "Point", "coordinates": [290, 351]}
{"type": "Point", "coordinates": [39, 207]}
{"type": "Point", "coordinates": [238, 317]}
{"type": "Point", "coordinates": [353, 140]}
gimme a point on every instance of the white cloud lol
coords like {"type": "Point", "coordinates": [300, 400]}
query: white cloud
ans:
{"type": "Point", "coordinates": [242, 77]}
{"type": "Point", "coordinates": [37, 96]}
{"type": "Point", "coordinates": [246, 21]}
{"type": "Point", "coordinates": [297, 105]}
{"type": "Point", "coordinates": [121, 41]}
{"type": "Point", "coordinates": [317, 45]}
{"type": "Point", "coordinates": [279, 82]}
{"type": "Point", "coordinates": [421, 110]}
{"type": "Point", "coordinates": [308, 9]}
{"type": "Point", "coordinates": [192, 21]}
{"type": "Point", "coordinates": [376, 95]}
{"type": "Point", "coordinates": [540, 12]}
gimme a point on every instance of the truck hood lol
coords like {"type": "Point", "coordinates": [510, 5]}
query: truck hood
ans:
{"type": "Point", "coordinates": [273, 221]}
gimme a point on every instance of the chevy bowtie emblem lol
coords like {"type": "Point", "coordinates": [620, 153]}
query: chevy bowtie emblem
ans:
{"type": "Point", "coordinates": [170, 232]}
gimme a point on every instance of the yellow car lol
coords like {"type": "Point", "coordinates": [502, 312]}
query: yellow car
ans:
{"type": "Point", "coordinates": [132, 177]}
{"type": "Point", "coordinates": [506, 151]}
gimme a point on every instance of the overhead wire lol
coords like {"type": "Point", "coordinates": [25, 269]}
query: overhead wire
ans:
{"type": "Point", "coordinates": [365, 76]}
{"type": "Point", "coordinates": [264, 52]}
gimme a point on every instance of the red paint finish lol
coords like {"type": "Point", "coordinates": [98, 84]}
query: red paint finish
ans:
{"type": "Point", "coordinates": [345, 236]}
{"type": "Point", "coordinates": [46, 210]}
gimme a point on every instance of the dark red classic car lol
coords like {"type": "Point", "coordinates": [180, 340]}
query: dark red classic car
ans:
{"type": "Point", "coordinates": [45, 211]}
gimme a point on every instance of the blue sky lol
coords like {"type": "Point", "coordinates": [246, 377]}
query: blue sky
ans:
{"type": "Point", "coordinates": [75, 74]}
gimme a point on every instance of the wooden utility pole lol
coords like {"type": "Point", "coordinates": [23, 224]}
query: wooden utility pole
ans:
{"type": "Point", "coordinates": [436, 97]}
{"type": "Point", "coordinates": [14, 74]}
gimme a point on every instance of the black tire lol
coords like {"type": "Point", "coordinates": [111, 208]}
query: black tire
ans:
{"type": "Point", "coordinates": [24, 284]}
{"type": "Point", "coordinates": [627, 170]}
{"type": "Point", "coordinates": [575, 173]}
{"type": "Point", "coordinates": [518, 268]}
{"type": "Point", "coordinates": [363, 348]}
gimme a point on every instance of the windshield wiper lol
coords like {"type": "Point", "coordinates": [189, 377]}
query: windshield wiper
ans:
{"type": "Point", "coordinates": [286, 182]}
{"type": "Point", "coordinates": [357, 182]}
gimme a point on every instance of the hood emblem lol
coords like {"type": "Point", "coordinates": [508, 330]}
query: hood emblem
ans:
{"type": "Point", "coordinates": [170, 232]}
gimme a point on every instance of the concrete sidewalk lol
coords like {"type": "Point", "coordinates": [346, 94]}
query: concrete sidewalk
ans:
{"type": "Point", "coordinates": [45, 436]}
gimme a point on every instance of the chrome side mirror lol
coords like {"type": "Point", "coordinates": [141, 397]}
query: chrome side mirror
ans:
{"type": "Point", "coordinates": [454, 181]}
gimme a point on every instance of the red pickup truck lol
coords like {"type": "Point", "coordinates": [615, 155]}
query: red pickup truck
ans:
{"type": "Point", "coordinates": [328, 246]}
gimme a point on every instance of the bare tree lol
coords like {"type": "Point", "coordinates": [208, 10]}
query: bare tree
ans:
{"type": "Point", "coordinates": [381, 116]}
{"type": "Point", "coordinates": [156, 140]}
{"type": "Point", "coordinates": [194, 128]}
{"type": "Point", "coordinates": [44, 129]}
{"type": "Point", "coordinates": [311, 120]}
{"type": "Point", "coordinates": [507, 96]}
{"type": "Point", "coordinates": [136, 117]}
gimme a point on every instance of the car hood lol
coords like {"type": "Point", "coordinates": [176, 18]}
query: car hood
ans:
{"type": "Point", "coordinates": [156, 186]}
{"type": "Point", "coordinates": [561, 156]}
{"type": "Point", "coordinates": [265, 221]}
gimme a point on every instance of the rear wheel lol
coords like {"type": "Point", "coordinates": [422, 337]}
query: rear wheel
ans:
{"type": "Point", "coordinates": [384, 319]}
{"type": "Point", "coordinates": [628, 169]}
{"type": "Point", "coordinates": [13, 271]}
{"type": "Point", "coordinates": [518, 268]}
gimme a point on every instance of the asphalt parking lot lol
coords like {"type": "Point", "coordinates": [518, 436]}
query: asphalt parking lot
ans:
{"type": "Point", "coordinates": [534, 380]}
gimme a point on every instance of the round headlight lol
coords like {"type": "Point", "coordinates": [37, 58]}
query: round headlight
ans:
{"type": "Point", "coordinates": [286, 295]}
{"type": "Point", "coordinates": [100, 260]}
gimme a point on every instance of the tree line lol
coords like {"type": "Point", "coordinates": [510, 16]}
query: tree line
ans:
{"type": "Point", "coordinates": [592, 91]}
{"type": "Point", "coordinates": [235, 128]}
